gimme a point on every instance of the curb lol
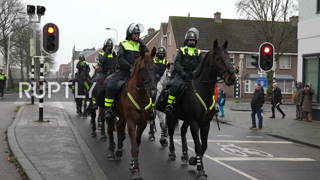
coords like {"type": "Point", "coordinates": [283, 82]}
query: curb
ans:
{"type": "Point", "coordinates": [26, 165]}
{"type": "Point", "coordinates": [94, 165]}
{"type": "Point", "coordinates": [231, 109]}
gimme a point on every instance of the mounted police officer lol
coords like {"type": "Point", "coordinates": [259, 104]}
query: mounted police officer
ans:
{"type": "Point", "coordinates": [107, 59]}
{"type": "Point", "coordinates": [186, 65]}
{"type": "Point", "coordinates": [82, 65]}
{"type": "Point", "coordinates": [129, 50]}
{"type": "Point", "coordinates": [3, 79]}
{"type": "Point", "coordinates": [161, 64]}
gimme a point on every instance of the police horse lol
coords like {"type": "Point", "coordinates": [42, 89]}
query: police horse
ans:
{"type": "Point", "coordinates": [195, 105]}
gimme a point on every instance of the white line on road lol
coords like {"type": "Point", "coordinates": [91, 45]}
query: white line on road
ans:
{"type": "Point", "coordinates": [260, 159]}
{"type": "Point", "coordinates": [254, 136]}
{"type": "Point", "coordinates": [223, 164]}
{"type": "Point", "coordinates": [225, 136]}
{"type": "Point", "coordinates": [258, 142]}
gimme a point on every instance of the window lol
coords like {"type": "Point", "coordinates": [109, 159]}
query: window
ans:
{"type": "Point", "coordinates": [285, 86]}
{"type": "Point", "coordinates": [164, 42]}
{"type": "Point", "coordinates": [285, 62]}
{"type": "Point", "coordinates": [249, 60]}
{"type": "Point", "coordinates": [161, 44]}
{"type": "Point", "coordinates": [318, 6]}
{"type": "Point", "coordinates": [169, 38]}
{"type": "Point", "coordinates": [231, 58]}
{"type": "Point", "coordinates": [311, 74]}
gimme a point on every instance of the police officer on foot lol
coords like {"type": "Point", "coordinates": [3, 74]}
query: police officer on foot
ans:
{"type": "Point", "coordinates": [161, 65]}
{"type": "Point", "coordinates": [3, 79]}
{"type": "Point", "coordinates": [186, 65]}
{"type": "Point", "coordinates": [129, 50]}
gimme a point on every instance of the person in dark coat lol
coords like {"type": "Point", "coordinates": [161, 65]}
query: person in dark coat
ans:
{"type": "Point", "coordinates": [307, 95]}
{"type": "Point", "coordinates": [297, 101]}
{"type": "Point", "coordinates": [276, 100]}
{"type": "Point", "coordinates": [256, 106]}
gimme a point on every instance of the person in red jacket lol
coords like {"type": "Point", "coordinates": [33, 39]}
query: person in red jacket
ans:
{"type": "Point", "coordinates": [216, 92]}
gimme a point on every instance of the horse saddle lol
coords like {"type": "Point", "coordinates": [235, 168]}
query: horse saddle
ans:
{"type": "Point", "coordinates": [162, 100]}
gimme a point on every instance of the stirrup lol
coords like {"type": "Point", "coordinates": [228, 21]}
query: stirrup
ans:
{"type": "Point", "coordinates": [108, 114]}
{"type": "Point", "coordinates": [168, 109]}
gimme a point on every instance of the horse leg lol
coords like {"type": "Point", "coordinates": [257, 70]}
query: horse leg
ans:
{"type": "Point", "coordinates": [103, 131]}
{"type": "Point", "coordinates": [121, 125]}
{"type": "Point", "coordinates": [164, 129]}
{"type": "Point", "coordinates": [170, 119]}
{"type": "Point", "coordinates": [134, 149]}
{"type": "Point", "coordinates": [194, 127]}
{"type": "Point", "coordinates": [84, 114]}
{"type": "Point", "coordinates": [112, 144]}
{"type": "Point", "coordinates": [184, 129]}
{"type": "Point", "coordinates": [204, 132]}
{"type": "Point", "coordinates": [93, 122]}
{"type": "Point", "coordinates": [151, 131]}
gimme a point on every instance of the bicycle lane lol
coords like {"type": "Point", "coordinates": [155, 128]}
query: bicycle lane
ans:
{"type": "Point", "coordinates": [253, 156]}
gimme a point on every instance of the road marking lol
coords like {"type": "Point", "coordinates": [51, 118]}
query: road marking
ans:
{"type": "Point", "coordinates": [258, 142]}
{"type": "Point", "coordinates": [260, 159]}
{"type": "Point", "coordinates": [225, 135]}
{"type": "Point", "coordinates": [254, 136]}
{"type": "Point", "coordinates": [223, 164]}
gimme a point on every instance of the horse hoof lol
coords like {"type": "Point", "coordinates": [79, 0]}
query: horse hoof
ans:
{"type": "Point", "coordinates": [185, 158]}
{"type": "Point", "coordinates": [202, 175]}
{"type": "Point", "coordinates": [193, 161]}
{"type": "Point", "coordinates": [152, 138]}
{"type": "Point", "coordinates": [163, 142]}
{"type": "Point", "coordinates": [111, 156]}
{"type": "Point", "coordinates": [103, 138]}
{"type": "Point", "coordinates": [93, 135]}
{"type": "Point", "coordinates": [172, 156]}
{"type": "Point", "coordinates": [84, 117]}
{"type": "Point", "coordinates": [119, 153]}
{"type": "Point", "coordinates": [137, 176]}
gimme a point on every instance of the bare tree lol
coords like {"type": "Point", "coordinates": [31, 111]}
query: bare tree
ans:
{"type": "Point", "coordinates": [271, 19]}
{"type": "Point", "coordinates": [11, 22]}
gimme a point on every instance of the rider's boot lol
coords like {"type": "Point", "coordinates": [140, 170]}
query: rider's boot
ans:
{"type": "Point", "coordinates": [94, 105]}
{"type": "Point", "coordinates": [108, 108]}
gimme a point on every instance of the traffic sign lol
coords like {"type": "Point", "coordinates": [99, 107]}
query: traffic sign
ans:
{"type": "Point", "coordinates": [263, 81]}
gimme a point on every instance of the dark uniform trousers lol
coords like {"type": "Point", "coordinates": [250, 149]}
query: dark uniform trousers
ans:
{"type": "Point", "coordinates": [111, 86]}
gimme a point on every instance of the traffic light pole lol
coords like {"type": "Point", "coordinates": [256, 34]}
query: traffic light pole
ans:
{"type": "Point", "coordinates": [41, 89]}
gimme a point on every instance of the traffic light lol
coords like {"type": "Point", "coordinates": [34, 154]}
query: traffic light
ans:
{"type": "Point", "coordinates": [40, 10]}
{"type": "Point", "coordinates": [266, 56]}
{"type": "Point", "coordinates": [256, 59]}
{"type": "Point", "coordinates": [31, 10]}
{"type": "Point", "coordinates": [50, 38]}
{"type": "Point", "coordinates": [236, 69]}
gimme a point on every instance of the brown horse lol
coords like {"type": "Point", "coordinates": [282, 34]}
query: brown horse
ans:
{"type": "Point", "coordinates": [134, 106]}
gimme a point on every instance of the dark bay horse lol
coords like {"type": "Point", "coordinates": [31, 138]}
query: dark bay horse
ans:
{"type": "Point", "coordinates": [82, 88]}
{"type": "Point", "coordinates": [196, 106]}
{"type": "Point", "coordinates": [134, 106]}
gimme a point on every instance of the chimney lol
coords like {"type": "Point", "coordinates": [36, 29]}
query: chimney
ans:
{"type": "Point", "coordinates": [150, 30]}
{"type": "Point", "coordinates": [217, 17]}
{"type": "Point", "coordinates": [294, 20]}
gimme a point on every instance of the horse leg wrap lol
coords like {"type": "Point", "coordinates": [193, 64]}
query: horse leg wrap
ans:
{"type": "Point", "coordinates": [199, 163]}
{"type": "Point", "coordinates": [134, 163]}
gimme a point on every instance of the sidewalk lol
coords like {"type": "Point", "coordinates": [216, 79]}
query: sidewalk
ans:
{"type": "Point", "coordinates": [303, 132]}
{"type": "Point", "coordinates": [248, 100]}
{"type": "Point", "coordinates": [51, 150]}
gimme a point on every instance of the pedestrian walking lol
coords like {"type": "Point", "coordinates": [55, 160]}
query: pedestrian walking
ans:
{"type": "Point", "coordinates": [297, 101]}
{"type": "Point", "coordinates": [257, 102]}
{"type": "Point", "coordinates": [222, 101]}
{"type": "Point", "coordinates": [276, 100]}
{"type": "Point", "coordinates": [307, 96]}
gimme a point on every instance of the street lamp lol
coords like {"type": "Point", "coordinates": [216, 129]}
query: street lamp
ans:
{"type": "Point", "coordinates": [116, 35]}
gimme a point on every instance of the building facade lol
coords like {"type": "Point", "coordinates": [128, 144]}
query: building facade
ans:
{"type": "Point", "coordinates": [309, 49]}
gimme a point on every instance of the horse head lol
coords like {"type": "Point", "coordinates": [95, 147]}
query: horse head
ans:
{"type": "Point", "coordinates": [218, 61]}
{"type": "Point", "coordinates": [144, 71]}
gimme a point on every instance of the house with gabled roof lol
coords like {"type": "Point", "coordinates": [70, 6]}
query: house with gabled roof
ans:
{"type": "Point", "coordinates": [151, 39]}
{"type": "Point", "coordinates": [243, 39]}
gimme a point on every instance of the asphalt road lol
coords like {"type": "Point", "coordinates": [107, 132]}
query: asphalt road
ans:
{"type": "Point", "coordinates": [233, 153]}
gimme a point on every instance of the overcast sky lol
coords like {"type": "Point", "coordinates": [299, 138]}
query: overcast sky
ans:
{"type": "Point", "coordinates": [82, 22]}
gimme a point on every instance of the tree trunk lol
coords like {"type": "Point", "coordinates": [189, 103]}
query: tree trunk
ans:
{"type": "Point", "coordinates": [10, 83]}
{"type": "Point", "coordinates": [270, 83]}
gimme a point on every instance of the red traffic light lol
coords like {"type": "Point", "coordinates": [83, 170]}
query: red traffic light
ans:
{"type": "Point", "coordinates": [51, 29]}
{"type": "Point", "coordinates": [267, 49]}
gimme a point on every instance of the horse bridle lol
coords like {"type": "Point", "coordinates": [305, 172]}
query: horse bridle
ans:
{"type": "Point", "coordinates": [146, 83]}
